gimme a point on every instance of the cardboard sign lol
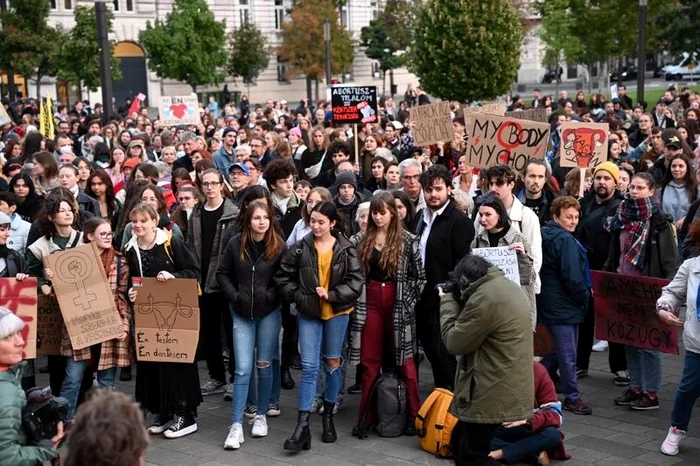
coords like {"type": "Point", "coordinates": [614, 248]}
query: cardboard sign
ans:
{"type": "Point", "coordinates": [4, 117]}
{"type": "Point", "coordinates": [49, 326]}
{"type": "Point", "coordinates": [495, 140]}
{"type": "Point", "coordinates": [503, 258]}
{"type": "Point", "coordinates": [533, 114]}
{"type": "Point", "coordinates": [179, 110]}
{"type": "Point", "coordinates": [354, 104]}
{"type": "Point", "coordinates": [20, 298]}
{"type": "Point", "coordinates": [433, 123]}
{"type": "Point", "coordinates": [167, 320]}
{"type": "Point", "coordinates": [84, 295]}
{"type": "Point", "coordinates": [492, 109]}
{"type": "Point", "coordinates": [583, 145]}
{"type": "Point", "coordinates": [625, 312]}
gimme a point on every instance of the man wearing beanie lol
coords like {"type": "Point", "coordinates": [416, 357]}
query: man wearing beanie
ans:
{"type": "Point", "coordinates": [225, 156]}
{"type": "Point", "coordinates": [597, 205]}
{"type": "Point", "coordinates": [347, 201]}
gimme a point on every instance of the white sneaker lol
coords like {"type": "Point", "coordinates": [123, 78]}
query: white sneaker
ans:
{"type": "Point", "coordinates": [602, 345]}
{"type": "Point", "coordinates": [234, 437]}
{"type": "Point", "coordinates": [673, 440]}
{"type": "Point", "coordinates": [259, 426]}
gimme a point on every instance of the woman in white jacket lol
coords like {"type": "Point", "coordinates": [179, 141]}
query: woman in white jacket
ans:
{"type": "Point", "coordinates": [684, 290]}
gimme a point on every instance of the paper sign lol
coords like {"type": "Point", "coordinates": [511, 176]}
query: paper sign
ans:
{"type": "Point", "coordinates": [613, 92]}
{"type": "Point", "coordinates": [583, 145]}
{"type": "Point", "coordinates": [495, 140]}
{"type": "Point", "coordinates": [49, 326]}
{"type": "Point", "coordinates": [492, 109]}
{"type": "Point", "coordinates": [625, 312]}
{"type": "Point", "coordinates": [503, 258]}
{"type": "Point", "coordinates": [84, 295]}
{"type": "Point", "coordinates": [354, 104]}
{"type": "Point", "coordinates": [167, 320]}
{"type": "Point", "coordinates": [20, 298]}
{"type": "Point", "coordinates": [4, 117]}
{"type": "Point", "coordinates": [433, 123]}
{"type": "Point", "coordinates": [179, 110]}
{"type": "Point", "coordinates": [533, 114]}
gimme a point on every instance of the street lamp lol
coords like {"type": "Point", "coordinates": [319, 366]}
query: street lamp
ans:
{"type": "Point", "coordinates": [641, 49]}
{"type": "Point", "coordinates": [105, 57]}
{"type": "Point", "coordinates": [327, 39]}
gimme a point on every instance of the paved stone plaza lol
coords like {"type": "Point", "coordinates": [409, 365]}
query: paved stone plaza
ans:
{"type": "Point", "coordinates": [611, 436]}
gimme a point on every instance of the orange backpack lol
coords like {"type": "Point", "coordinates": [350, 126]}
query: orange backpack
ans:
{"type": "Point", "coordinates": [434, 423]}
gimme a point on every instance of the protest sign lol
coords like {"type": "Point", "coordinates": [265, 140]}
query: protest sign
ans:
{"type": "Point", "coordinates": [4, 117]}
{"type": "Point", "coordinates": [492, 109]}
{"type": "Point", "coordinates": [625, 312]}
{"type": "Point", "coordinates": [167, 320]}
{"type": "Point", "coordinates": [495, 140]}
{"type": "Point", "coordinates": [583, 145]}
{"type": "Point", "coordinates": [49, 326]}
{"type": "Point", "coordinates": [84, 295]}
{"type": "Point", "coordinates": [533, 114]}
{"type": "Point", "coordinates": [433, 123]}
{"type": "Point", "coordinates": [20, 298]}
{"type": "Point", "coordinates": [503, 258]}
{"type": "Point", "coordinates": [179, 110]}
{"type": "Point", "coordinates": [354, 104]}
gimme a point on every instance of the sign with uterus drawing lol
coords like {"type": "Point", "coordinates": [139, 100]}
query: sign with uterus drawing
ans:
{"type": "Point", "coordinates": [583, 145]}
{"type": "Point", "coordinates": [167, 320]}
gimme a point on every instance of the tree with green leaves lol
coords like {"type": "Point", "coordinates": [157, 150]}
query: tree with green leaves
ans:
{"type": "Point", "coordinates": [249, 53]}
{"type": "Point", "coordinates": [389, 36]}
{"type": "Point", "coordinates": [188, 46]}
{"type": "Point", "coordinates": [303, 45]}
{"type": "Point", "coordinates": [28, 45]}
{"type": "Point", "coordinates": [78, 59]}
{"type": "Point", "coordinates": [466, 50]}
{"type": "Point", "coordinates": [679, 26]}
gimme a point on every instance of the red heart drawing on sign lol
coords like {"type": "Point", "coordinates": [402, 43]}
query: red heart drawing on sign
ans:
{"type": "Point", "coordinates": [178, 110]}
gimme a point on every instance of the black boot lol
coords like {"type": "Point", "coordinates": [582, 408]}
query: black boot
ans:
{"type": "Point", "coordinates": [287, 381]}
{"type": "Point", "coordinates": [125, 374]}
{"type": "Point", "coordinates": [329, 435]}
{"type": "Point", "coordinates": [301, 438]}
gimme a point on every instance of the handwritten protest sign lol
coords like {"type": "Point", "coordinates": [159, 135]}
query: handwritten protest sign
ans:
{"type": "Point", "coordinates": [625, 312]}
{"type": "Point", "coordinates": [84, 295]}
{"type": "Point", "coordinates": [533, 114]}
{"type": "Point", "coordinates": [167, 320]}
{"type": "Point", "coordinates": [354, 104]}
{"type": "Point", "coordinates": [49, 326]}
{"type": "Point", "coordinates": [583, 145]}
{"type": "Point", "coordinates": [179, 110]}
{"type": "Point", "coordinates": [433, 123]}
{"type": "Point", "coordinates": [20, 298]}
{"type": "Point", "coordinates": [4, 117]}
{"type": "Point", "coordinates": [495, 140]}
{"type": "Point", "coordinates": [503, 258]}
{"type": "Point", "coordinates": [492, 109]}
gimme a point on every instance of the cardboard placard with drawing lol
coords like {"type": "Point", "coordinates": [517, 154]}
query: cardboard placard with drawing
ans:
{"type": "Point", "coordinates": [20, 297]}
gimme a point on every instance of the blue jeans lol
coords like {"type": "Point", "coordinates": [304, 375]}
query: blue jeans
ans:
{"type": "Point", "coordinates": [519, 444]}
{"type": "Point", "coordinates": [320, 338]}
{"type": "Point", "coordinates": [645, 368]}
{"type": "Point", "coordinates": [563, 356]}
{"type": "Point", "coordinates": [688, 391]}
{"type": "Point", "coordinates": [246, 334]}
{"type": "Point", "coordinates": [321, 379]}
{"type": "Point", "coordinates": [252, 399]}
{"type": "Point", "coordinates": [74, 377]}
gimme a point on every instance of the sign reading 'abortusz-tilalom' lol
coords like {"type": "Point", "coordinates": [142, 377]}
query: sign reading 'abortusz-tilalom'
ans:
{"type": "Point", "coordinates": [354, 104]}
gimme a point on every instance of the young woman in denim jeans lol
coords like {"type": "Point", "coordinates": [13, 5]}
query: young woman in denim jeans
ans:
{"type": "Point", "coordinates": [245, 274]}
{"type": "Point", "coordinates": [321, 275]}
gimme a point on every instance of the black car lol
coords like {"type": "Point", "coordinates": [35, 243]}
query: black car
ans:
{"type": "Point", "coordinates": [629, 73]}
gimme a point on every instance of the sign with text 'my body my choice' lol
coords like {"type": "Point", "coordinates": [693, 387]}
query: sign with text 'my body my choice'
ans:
{"type": "Point", "coordinates": [503, 258]}
{"type": "Point", "coordinates": [495, 140]}
{"type": "Point", "coordinates": [167, 320]}
{"type": "Point", "coordinates": [433, 123]}
{"type": "Point", "coordinates": [354, 104]}
{"type": "Point", "coordinates": [625, 312]}
{"type": "Point", "coordinates": [20, 298]}
{"type": "Point", "coordinates": [84, 295]}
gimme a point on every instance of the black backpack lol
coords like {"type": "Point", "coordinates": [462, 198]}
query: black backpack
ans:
{"type": "Point", "coordinates": [388, 398]}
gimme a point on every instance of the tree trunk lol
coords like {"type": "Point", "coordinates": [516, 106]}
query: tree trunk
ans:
{"type": "Point", "coordinates": [309, 97]}
{"type": "Point", "coordinates": [383, 82]}
{"type": "Point", "coordinates": [391, 82]}
{"type": "Point", "coordinates": [318, 97]}
{"type": "Point", "coordinates": [38, 86]}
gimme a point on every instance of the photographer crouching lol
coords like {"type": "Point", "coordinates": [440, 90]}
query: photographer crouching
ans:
{"type": "Point", "coordinates": [485, 321]}
{"type": "Point", "coordinates": [14, 448]}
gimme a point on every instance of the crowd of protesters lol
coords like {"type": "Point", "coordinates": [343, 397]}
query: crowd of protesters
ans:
{"type": "Point", "coordinates": [339, 245]}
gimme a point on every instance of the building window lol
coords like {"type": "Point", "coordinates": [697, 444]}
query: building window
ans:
{"type": "Point", "coordinates": [128, 5]}
{"type": "Point", "coordinates": [374, 9]}
{"type": "Point", "coordinates": [279, 14]}
{"type": "Point", "coordinates": [244, 11]}
{"type": "Point", "coordinates": [68, 4]}
{"type": "Point", "coordinates": [344, 17]}
{"type": "Point", "coordinates": [282, 70]}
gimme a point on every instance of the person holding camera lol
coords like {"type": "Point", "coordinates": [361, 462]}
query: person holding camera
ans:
{"type": "Point", "coordinates": [14, 448]}
{"type": "Point", "coordinates": [486, 321]}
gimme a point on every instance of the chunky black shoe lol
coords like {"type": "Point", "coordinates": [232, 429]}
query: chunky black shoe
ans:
{"type": "Point", "coordinates": [355, 389]}
{"type": "Point", "coordinates": [184, 424]}
{"type": "Point", "coordinates": [329, 434]}
{"type": "Point", "coordinates": [360, 431]}
{"type": "Point", "coordinates": [125, 374]}
{"type": "Point", "coordinates": [301, 438]}
{"type": "Point", "coordinates": [287, 381]}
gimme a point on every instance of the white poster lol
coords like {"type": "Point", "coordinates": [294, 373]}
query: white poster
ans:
{"type": "Point", "coordinates": [503, 258]}
{"type": "Point", "coordinates": [179, 110]}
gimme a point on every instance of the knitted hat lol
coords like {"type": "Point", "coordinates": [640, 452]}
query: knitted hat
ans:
{"type": "Point", "coordinates": [227, 130]}
{"type": "Point", "coordinates": [346, 178]}
{"type": "Point", "coordinates": [610, 168]}
{"type": "Point", "coordinates": [4, 219]}
{"type": "Point", "coordinates": [9, 323]}
{"type": "Point", "coordinates": [295, 131]}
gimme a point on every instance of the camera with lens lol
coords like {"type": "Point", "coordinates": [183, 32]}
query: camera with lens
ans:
{"type": "Point", "coordinates": [41, 415]}
{"type": "Point", "coordinates": [450, 286]}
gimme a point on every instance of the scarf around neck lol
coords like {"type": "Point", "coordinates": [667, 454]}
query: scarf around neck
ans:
{"type": "Point", "coordinates": [634, 215]}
